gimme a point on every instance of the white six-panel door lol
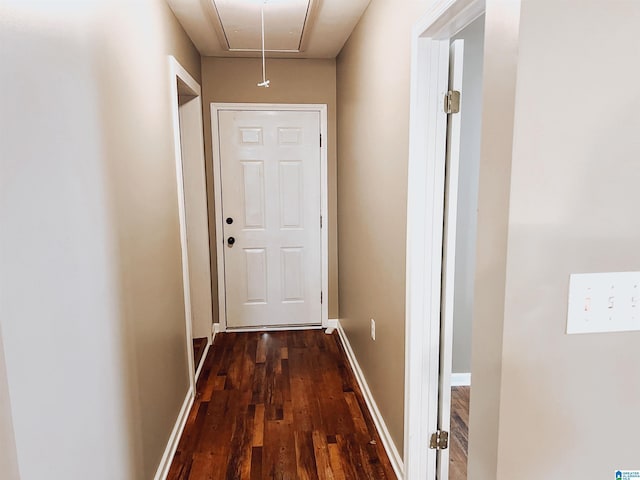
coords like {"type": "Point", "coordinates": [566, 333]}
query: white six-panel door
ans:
{"type": "Point", "coordinates": [270, 169]}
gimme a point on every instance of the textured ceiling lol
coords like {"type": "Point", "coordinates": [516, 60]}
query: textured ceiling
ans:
{"type": "Point", "coordinates": [293, 28]}
{"type": "Point", "coordinates": [284, 22]}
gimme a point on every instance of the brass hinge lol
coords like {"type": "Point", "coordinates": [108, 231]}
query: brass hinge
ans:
{"type": "Point", "coordinates": [452, 101]}
{"type": "Point", "coordinates": [439, 440]}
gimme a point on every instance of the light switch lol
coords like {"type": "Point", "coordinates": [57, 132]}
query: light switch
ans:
{"type": "Point", "coordinates": [604, 302]}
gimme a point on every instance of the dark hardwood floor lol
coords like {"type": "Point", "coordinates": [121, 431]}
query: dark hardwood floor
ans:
{"type": "Point", "coordinates": [279, 405]}
{"type": "Point", "coordinates": [459, 439]}
{"type": "Point", "coordinates": [199, 346]}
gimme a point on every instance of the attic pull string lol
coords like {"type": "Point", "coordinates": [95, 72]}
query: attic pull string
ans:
{"type": "Point", "coordinates": [265, 82]}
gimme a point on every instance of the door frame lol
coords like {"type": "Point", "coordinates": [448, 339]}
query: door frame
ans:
{"type": "Point", "coordinates": [425, 218]}
{"type": "Point", "coordinates": [217, 189]}
{"type": "Point", "coordinates": [178, 73]}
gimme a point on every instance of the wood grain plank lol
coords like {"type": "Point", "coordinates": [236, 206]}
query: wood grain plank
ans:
{"type": "Point", "coordinates": [323, 460]}
{"type": "Point", "coordinates": [240, 447]}
{"type": "Point", "coordinates": [202, 467]}
{"type": "Point", "coordinates": [459, 437]}
{"type": "Point", "coordinates": [256, 463]}
{"type": "Point", "coordinates": [335, 458]}
{"type": "Point", "coordinates": [258, 425]}
{"type": "Point", "coordinates": [305, 456]}
{"type": "Point", "coordinates": [279, 405]}
{"type": "Point", "coordinates": [279, 451]}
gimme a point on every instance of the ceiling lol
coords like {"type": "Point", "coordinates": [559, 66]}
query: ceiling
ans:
{"type": "Point", "coordinates": [293, 28]}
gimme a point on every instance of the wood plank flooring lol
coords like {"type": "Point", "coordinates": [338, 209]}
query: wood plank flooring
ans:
{"type": "Point", "coordinates": [279, 406]}
{"type": "Point", "coordinates": [459, 438]}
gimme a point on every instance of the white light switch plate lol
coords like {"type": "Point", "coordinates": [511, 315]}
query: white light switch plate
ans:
{"type": "Point", "coordinates": [604, 302]}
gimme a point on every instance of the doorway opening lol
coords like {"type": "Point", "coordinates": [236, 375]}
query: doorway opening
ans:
{"type": "Point", "coordinates": [188, 141]}
{"type": "Point", "coordinates": [441, 217]}
{"type": "Point", "coordinates": [192, 204]}
{"type": "Point", "coordinates": [270, 186]}
{"type": "Point", "coordinates": [465, 77]}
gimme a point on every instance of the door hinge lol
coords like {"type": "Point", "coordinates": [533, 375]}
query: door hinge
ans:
{"type": "Point", "coordinates": [452, 101]}
{"type": "Point", "coordinates": [320, 140]}
{"type": "Point", "coordinates": [320, 221]}
{"type": "Point", "coordinates": [439, 440]}
{"type": "Point", "coordinates": [321, 298]}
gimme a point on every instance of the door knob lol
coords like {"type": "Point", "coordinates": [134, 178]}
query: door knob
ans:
{"type": "Point", "coordinates": [229, 220]}
{"type": "Point", "coordinates": [231, 241]}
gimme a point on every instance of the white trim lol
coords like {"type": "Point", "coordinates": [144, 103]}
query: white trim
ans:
{"type": "Point", "coordinates": [177, 71]}
{"type": "Point", "coordinates": [460, 379]}
{"type": "Point", "coordinates": [425, 214]}
{"type": "Point", "coordinates": [202, 359]}
{"type": "Point", "coordinates": [279, 328]}
{"type": "Point", "coordinates": [332, 325]}
{"type": "Point", "coordinates": [447, 17]}
{"type": "Point", "coordinates": [390, 447]}
{"type": "Point", "coordinates": [424, 245]}
{"type": "Point", "coordinates": [174, 439]}
{"type": "Point", "coordinates": [215, 329]}
{"type": "Point", "coordinates": [324, 203]}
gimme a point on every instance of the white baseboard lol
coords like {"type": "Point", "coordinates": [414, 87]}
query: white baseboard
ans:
{"type": "Point", "coordinates": [202, 359]}
{"type": "Point", "coordinates": [215, 328]}
{"type": "Point", "coordinates": [282, 328]}
{"type": "Point", "coordinates": [460, 379]}
{"type": "Point", "coordinates": [390, 447]}
{"type": "Point", "coordinates": [172, 444]}
{"type": "Point", "coordinates": [174, 439]}
{"type": "Point", "coordinates": [332, 324]}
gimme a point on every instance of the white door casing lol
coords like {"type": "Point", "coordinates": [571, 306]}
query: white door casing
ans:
{"type": "Point", "coordinates": [270, 176]}
{"type": "Point", "coordinates": [178, 73]}
{"type": "Point", "coordinates": [456, 63]}
{"type": "Point", "coordinates": [425, 218]}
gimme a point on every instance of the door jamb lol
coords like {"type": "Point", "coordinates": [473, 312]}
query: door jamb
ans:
{"type": "Point", "coordinates": [178, 72]}
{"type": "Point", "coordinates": [425, 215]}
{"type": "Point", "coordinates": [217, 187]}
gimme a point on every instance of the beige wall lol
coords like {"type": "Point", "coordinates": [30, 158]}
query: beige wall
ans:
{"type": "Point", "coordinates": [373, 137]}
{"type": "Point", "coordinates": [569, 404]}
{"type": "Point", "coordinates": [138, 131]}
{"type": "Point", "coordinates": [499, 82]}
{"type": "Point", "coordinates": [91, 285]}
{"type": "Point", "coordinates": [233, 80]}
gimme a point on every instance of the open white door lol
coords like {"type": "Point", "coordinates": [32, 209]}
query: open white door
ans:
{"type": "Point", "coordinates": [449, 251]}
{"type": "Point", "coordinates": [428, 335]}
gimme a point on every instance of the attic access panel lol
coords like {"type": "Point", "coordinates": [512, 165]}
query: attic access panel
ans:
{"type": "Point", "coordinates": [285, 21]}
